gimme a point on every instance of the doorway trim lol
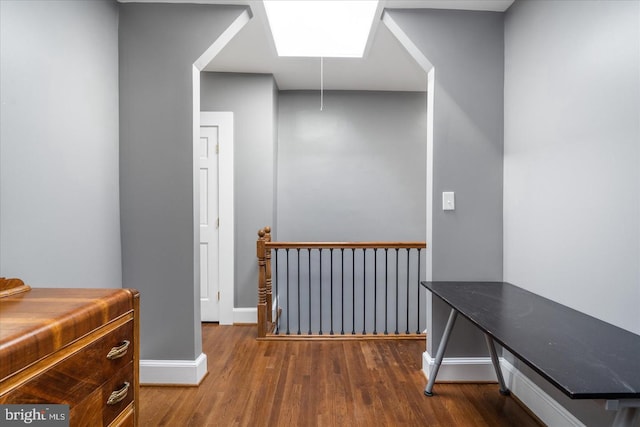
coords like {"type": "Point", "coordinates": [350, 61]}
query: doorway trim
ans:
{"type": "Point", "coordinates": [227, 247]}
{"type": "Point", "coordinates": [430, 71]}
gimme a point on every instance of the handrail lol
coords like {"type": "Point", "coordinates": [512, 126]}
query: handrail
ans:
{"type": "Point", "coordinates": [345, 245]}
{"type": "Point", "coordinates": [268, 326]}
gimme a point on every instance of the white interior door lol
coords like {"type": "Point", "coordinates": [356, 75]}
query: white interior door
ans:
{"type": "Point", "coordinates": [214, 165]}
{"type": "Point", "coordinates": [209, 235]}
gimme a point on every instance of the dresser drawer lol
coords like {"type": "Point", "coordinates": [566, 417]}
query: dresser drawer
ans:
{"type": "Point", "coordinates": [94, 409]}
{"type": "Point", "coordinates": [73, 378]}
{"type": "Point", "coordinates": [118, 394]}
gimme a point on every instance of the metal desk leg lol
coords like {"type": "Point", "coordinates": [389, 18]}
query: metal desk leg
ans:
{"type": "Point", "coordinates": [627, 412]}
{"type": "Point", "coordinates": [627, 417]}
{"type": "Point", "coordinates": [496, 365]}
{"type": "Point", "coordinates": [440, 353]}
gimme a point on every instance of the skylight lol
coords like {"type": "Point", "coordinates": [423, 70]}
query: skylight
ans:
{"type": "Point", "coordinates": [320, 28]}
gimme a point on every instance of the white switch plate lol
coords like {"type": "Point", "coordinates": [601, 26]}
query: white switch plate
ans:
{"type": "Point", "coordinates": [448, 201]}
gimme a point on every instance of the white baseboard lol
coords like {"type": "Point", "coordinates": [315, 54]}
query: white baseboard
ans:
{"type": "Point", "coordinates": [460, 369]}
{"type": "Point", "coordinates": [245, 315]}
{"type": "Point", "coordinates": [548, 410]}
{"type": "Point", "coordinates": [480, 369]}
{"type": "Point", "coordinates": [174, 372]}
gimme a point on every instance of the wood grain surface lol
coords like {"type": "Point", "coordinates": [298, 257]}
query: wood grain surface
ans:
{"type": "Point", "coordinates": [12, 286]}
{"type": "Point", "coordinates": [41, 321]}
{"type": "Point", "coordinates": [78, 347]}
{"type": "Point", "coordinates": [328, 383]}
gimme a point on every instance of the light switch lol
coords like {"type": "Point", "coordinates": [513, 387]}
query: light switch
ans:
{"type": "Point", "coordinates": [448, 201]}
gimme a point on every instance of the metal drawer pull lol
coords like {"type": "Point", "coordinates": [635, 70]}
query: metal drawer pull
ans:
{"type": "Point", "coordinates": [119, 350]}
{"type": "Point", "coordinates": [118, 396]}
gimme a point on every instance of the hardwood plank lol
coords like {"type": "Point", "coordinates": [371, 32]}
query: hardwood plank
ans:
{"type": "Point", "coordinates": [321, 383]}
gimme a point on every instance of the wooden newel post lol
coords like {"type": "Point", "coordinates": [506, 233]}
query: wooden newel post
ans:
{"type": "Point", "coordinates": [267, 276]}
{"type": "Point", "coordinates": [262, 285]}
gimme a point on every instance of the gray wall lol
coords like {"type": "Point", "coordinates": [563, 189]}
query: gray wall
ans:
{"type": "Point", "coordinates": [253, 100]}
{"type": "Point", "coordinates": [467, 51]}
{"type": "Point", "coordinates": [59, 202]}
{"type": "Point", "coordinates": [354, 171]}
{"type": "Point", "coordinates": [572, 155]}
{"type": "Point", "coordinates": [158, 45]}
{"type": "Point", "coordinates": [572, 160]}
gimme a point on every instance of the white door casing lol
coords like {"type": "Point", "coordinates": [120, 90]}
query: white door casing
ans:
{"type": "Point", "coordinates": [215, 151]}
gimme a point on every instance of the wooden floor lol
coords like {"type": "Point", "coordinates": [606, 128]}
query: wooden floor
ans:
{"type": "Point", "coordinates": [338, 383]}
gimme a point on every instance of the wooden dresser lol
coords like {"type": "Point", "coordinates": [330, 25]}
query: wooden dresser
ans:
{"type": "Point", "coordinates": [78, 347]}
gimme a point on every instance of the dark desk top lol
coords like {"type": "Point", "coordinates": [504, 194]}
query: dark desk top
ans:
{"type": "Point", "coordinates": [582, 356]}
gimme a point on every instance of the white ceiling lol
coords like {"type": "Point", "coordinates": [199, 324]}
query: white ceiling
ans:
{"type": "Point", "coordinates": [386, 66]}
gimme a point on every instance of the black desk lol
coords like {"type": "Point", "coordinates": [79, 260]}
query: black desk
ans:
{"type": "Point", "coordinates": [582, 356]}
